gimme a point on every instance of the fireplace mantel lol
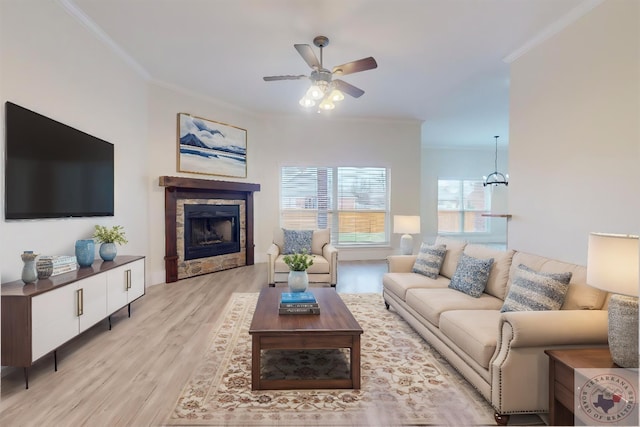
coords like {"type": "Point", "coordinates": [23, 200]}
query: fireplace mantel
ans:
{"type": "Point", "coordinates": [177, 188]}
{"type": "Point", "coordinates": [207, 184]}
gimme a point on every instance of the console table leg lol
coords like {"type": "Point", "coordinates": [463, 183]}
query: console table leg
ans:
{"type": "Point", "coordinates": [129, 309]}
{"type": "Point", "coordinates": [26, 378]}
{"type": "Point", "coordinates": [109, 322]}
{"type": "Point", "coordinates": [55, 360]}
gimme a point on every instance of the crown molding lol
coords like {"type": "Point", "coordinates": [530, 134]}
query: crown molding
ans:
{"type": "Point", "coordinates": [70, 7]}
{"type": "Point", "coordinates": [559, 25]}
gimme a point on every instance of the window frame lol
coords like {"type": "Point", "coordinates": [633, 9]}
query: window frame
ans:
{"type": "Point", "coordinates": [334, 209]}
{"type": "Point", "coordinates": [463, 202]}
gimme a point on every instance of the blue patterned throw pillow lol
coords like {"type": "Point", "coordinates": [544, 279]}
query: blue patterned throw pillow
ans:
{"type": "Point", "coordinates": [296, 241]}
{"type": "Point", "coordinates": [536, 291]}
{"type": "Point", "coordinates": [471, 275]}
{"type": "Point", "coordinates": [429, 260]}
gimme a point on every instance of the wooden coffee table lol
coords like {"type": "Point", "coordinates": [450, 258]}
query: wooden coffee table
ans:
{"type": "Point", "coordinates": [335, 327]}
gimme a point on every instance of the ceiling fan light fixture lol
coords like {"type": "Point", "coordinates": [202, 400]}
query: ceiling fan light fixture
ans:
{"type": "Point", "coordinates": [336, 95]}
{"type": "Point", "coordinates": [307, 102]}
{"type": "Point", "coordinates": [315, 92]}
{"type": "Point", "coordinates": [323, 88]}
{"type": "Point", "coordinates": [326, 105]}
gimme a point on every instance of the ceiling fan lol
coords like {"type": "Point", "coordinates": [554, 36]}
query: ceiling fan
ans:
{"type": "Point", "coordinates": [324, 87]}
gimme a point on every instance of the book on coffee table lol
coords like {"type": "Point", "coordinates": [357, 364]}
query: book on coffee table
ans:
{"type": "Point", "coordinates": [297, 297]}
{"type": "Point", "coordinates": [299, 310]}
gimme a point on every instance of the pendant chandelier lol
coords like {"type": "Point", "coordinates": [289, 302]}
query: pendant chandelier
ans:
{"type": "Point", "coordinates": [496, 178]}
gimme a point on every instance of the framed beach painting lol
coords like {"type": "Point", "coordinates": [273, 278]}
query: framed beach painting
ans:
{"type": "Point", "coordinates": [211, 148]}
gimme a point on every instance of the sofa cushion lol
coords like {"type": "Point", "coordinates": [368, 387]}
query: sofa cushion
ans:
{"type": "Point", "coordinates": [499, 276]}
{"type": "Point", "coordinates": [431, 303]}
{"type": "Point", "coordinates": [399, 283]}
{"type": "Point", "coordinates": [535, 291]}
{"type": "Point", "coordinates": [296, 241]}
{"type": "Point", "coordinates": [429, 260]}
{"type": "Point", "coordinates": [320, 265]}
{"type": "Point", "coordinates": [580, 296]}
{"type": "Point", "coordinates": [471, 275]}
{"type": "Point", "coordinates": [451, 258]}
{"type": "Point", "coordinates": [474, 331]}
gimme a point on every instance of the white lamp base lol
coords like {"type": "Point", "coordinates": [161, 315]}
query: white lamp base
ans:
{"type": "Point", "coordinates": [623, 330]}
{"type": "Point", "coordinates": [406, 244]}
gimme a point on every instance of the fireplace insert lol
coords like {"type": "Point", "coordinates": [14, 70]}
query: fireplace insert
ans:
{"type": "Point", "coordinates": [211, 230]}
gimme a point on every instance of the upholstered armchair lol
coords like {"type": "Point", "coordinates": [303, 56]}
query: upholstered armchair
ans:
{"type": "Point", "coordinates": [325, 259]}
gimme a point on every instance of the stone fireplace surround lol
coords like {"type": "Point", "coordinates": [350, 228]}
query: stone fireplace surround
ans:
{"type": "Point", "coordinates": [179, 191]}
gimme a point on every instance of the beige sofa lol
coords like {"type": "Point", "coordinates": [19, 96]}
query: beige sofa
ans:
{"type": "Point", "coordinates": [325, 259]}
{"type": "Point", "coordinates": [500, 354]}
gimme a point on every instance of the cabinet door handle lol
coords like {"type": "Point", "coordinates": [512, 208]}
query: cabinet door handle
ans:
{"type": "Point", "coordinates": [128, 278]}
{"type": "Point", "coordinates": [80, 302]}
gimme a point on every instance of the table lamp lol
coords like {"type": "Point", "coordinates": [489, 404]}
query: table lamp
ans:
{"type": "Point", "coordinates": [612, 265]}
{"type": "Point", "coordinates": [407, 225]}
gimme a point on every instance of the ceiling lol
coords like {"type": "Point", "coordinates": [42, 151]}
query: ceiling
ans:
{"type": "Point", "coordinates": [439, 61]}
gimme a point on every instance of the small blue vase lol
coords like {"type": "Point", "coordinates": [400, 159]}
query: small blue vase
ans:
{"type": "Point", "coordinates": [108, 251]}
{"type": "Point", "coordinates": [85, 252]}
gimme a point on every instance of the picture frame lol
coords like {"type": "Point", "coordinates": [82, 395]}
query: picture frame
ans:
{"type": "Point", "coordinates": [211, 148]}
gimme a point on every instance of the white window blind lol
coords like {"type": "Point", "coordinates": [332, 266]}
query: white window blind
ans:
{"type": "Point", "coordinates": [351, 201]}
{"type": "Point", "coordinates": [461, 204]}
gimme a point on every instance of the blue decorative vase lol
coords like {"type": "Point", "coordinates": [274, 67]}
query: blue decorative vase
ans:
{"type": "Point", "coordinates": [298, 281]}
{"type": "Point", "coordinates": [29, 273]}
{"type": "Point", "coordinates": [85, 252]}
{"type": "Point", "coordinates": [108, 251]}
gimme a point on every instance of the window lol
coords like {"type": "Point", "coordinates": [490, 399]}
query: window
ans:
{"type": "Point", "coordinates": [461, 204]}
{"type": "Point", "coordinates": [351, 201]}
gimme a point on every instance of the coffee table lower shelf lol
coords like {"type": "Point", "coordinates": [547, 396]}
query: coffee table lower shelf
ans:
{"type": "Point", "coordinates": [293, 341]}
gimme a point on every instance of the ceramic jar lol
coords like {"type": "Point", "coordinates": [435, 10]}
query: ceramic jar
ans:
{"type": "Point", "coordinates": [298, 281]}
{"type": "Point", "coordinates": [108, 251]}
{"type": "Point", "coordinates": [85, 252]}
{"type": "Point", "coordinates": [29, 273]}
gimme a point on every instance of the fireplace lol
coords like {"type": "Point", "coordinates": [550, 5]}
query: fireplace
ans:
{"type": "Point", "coordinates": [208, 226]}
{"type": "Point", "coordinates": [211, 230]}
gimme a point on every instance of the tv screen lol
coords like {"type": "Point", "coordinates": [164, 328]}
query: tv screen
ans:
{"type": "Point", "coordinates": [53, 170]}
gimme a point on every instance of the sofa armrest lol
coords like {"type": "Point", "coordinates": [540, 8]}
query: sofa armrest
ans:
{"type": "Point", "coordinates": [272, 253]}
{"type": "Point", "coordinates": [401, 263]}
{"type": "Point", "coordinates": [519, 368]}
{"type": "Point", "coordinates": [558, 327]}
{"type": "Point", "coordinates": [330, 253]}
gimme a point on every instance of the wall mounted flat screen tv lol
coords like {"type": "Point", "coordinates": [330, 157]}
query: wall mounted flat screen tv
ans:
{"type": "Point", "coordinates": [53, 170]}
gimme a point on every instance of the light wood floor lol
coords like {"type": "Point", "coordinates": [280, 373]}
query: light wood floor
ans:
{"type": "Point", "coordinates": [132, 375]}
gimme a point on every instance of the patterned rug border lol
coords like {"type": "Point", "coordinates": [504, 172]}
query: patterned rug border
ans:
{"type": "Point", "coordinates": [404, 382]}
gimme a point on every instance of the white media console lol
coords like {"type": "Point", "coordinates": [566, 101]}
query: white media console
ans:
{"type": "Point", "coordinates": [39, 317]}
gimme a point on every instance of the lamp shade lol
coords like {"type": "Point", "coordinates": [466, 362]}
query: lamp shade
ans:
{"type": "Point", "coordinates": [612, 263]}
{"type": "Point", "coordinates": [406, 224]}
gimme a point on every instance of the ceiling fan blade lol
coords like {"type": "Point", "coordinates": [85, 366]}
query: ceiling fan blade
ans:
{"type": "Point", "coordinates": [347, 88]}
{"type": "Point", "coordinates": [307, 54]}
{"type": "Point", "coordinates": [289, 77]}
{"type": "Point", "coordinates": [355, 66]}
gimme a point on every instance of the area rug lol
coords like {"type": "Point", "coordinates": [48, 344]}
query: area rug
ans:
{"type": "Point", "coordinates": [404, 382]}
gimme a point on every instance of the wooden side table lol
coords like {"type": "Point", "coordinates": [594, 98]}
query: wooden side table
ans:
{"type": "Point", "coordinates": [562, 364]}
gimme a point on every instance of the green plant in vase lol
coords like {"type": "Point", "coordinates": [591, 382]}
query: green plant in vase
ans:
{"type": "Point", "coordinates": [298, 263]}
{"type": "Point", "coordinates": [109, 236]}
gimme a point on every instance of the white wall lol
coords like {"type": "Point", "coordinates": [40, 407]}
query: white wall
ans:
{"type": "Point", "coordinates": [331, 141]}
{"type": "Point", "coordinates": [574, 135]}
{"type": "Point", "coordinates": [462, 163]}
{"type": "Point", "coordinates": [164, 105]}
{"type": "Point", "coordinates": [274, 141]}
{"type": "Point", "coordinates": [54, 66]}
